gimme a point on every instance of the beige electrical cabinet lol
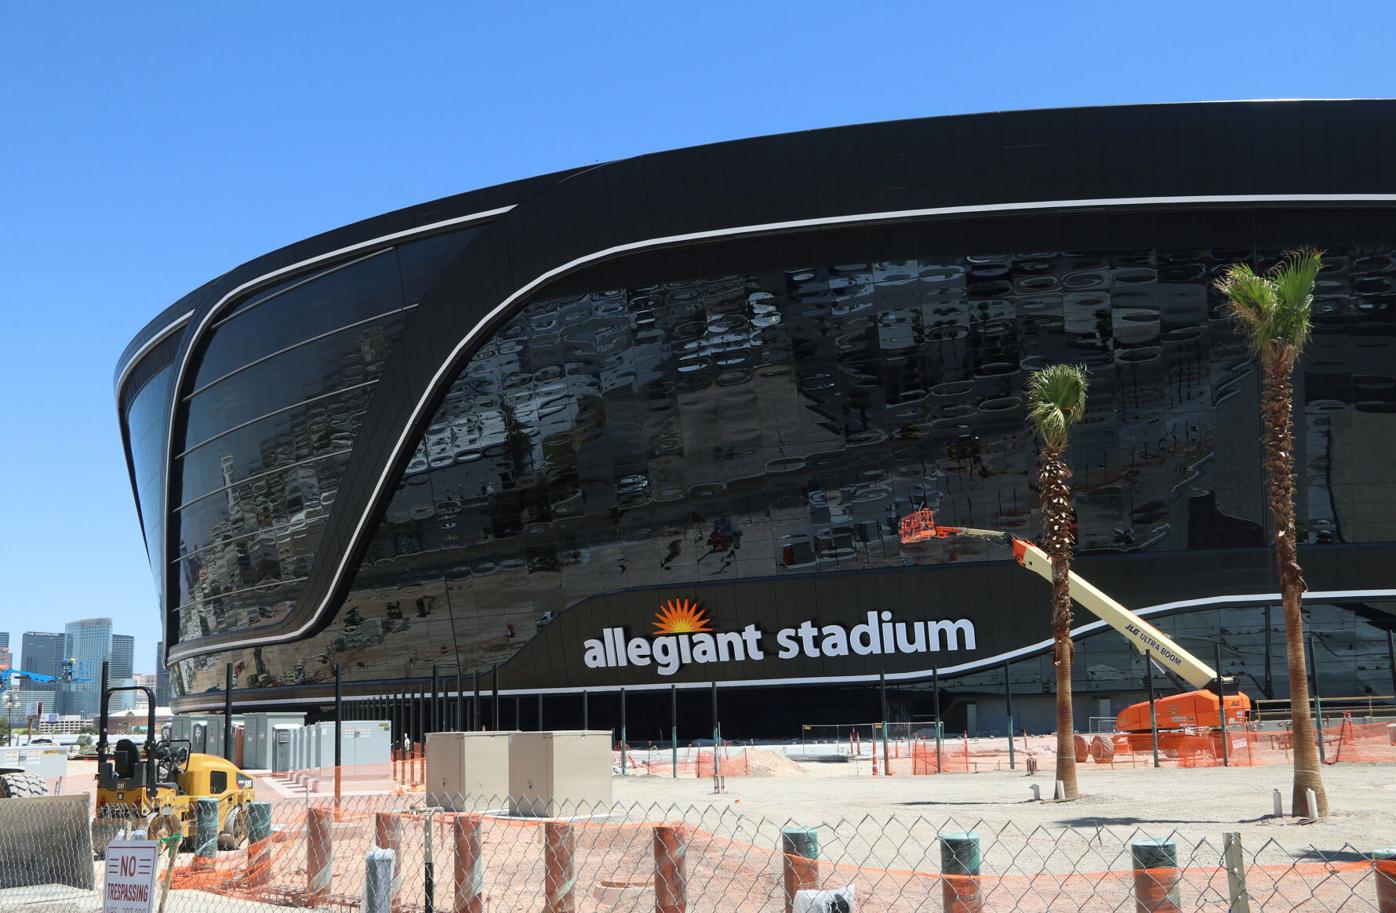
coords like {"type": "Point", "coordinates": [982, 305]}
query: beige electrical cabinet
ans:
{"type": "Point", "coordinates": [559, 773]}
{"type": "Point", "coordinates": [467, 771]}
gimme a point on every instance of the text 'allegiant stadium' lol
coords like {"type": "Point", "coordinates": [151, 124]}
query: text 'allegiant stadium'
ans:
{"type": "Point", "coordinates": [879, 635]}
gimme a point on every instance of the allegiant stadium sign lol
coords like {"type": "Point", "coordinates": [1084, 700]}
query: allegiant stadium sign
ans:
{"type": "Point", "coordinates": [684, 636]}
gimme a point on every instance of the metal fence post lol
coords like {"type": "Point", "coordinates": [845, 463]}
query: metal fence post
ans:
{"type": "Point", "coordinates": [586, 711]}
{"type": "Point", "coordinates": [470, 865]}
{"type": "Point", "coordinates": [1156, 877]}
{"type": "Point", "coordinates": [1384, 861]}
{"type": "Point", "coordinates": [670, 870]}
{"type": "Point", "coordinates": [559, 870]}
{"type": "Point", "coordinates": [387, 835]}
{"type": "Point", "coordinates": [319, 852]}
{"type": "Point", "coordinates": [1235, 860]}
{"type": "Point", "coordinates": [379, 865]}
{"type": "Point", "coordinates": [258, 843]}
{"type": "Point", "coordinates": [960, 861]}
{"type": "Point", "coordinates": [428, 866]}
{"type": "Point", "coordinates": [674, 728]}
{"type": "Point", "coordinates": [800, 872]}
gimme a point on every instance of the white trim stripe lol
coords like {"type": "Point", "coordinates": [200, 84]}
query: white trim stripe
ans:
{"type": "Point", "coordinates": [146, 346]}
{"type": "Point", "coordinates": [762, 228]}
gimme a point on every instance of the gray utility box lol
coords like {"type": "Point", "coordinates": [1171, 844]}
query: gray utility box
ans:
{"type": "Point", "coordinates": [362, 742]}
{"type": "Point", "coordinates": [467, 771]}
{"type": "Point", "coordinates": [559, 773]}
{"type": "Point", "coordinates": [257, 737]}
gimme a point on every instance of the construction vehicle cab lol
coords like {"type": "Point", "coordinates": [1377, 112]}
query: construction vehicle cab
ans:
{"type": "Point", "coordinates": [153, 786]}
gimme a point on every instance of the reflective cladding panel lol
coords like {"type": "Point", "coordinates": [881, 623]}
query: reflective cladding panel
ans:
{"type": "Point", "coordinates": [279, 394]}
{"type": "Point", "coordinates": [781, 419]}
{"type": "Point", "coordinates": [146, 424]}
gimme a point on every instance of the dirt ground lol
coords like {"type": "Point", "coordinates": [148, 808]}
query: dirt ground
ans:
{"type": "Point", "coordinates": [1199, 803]}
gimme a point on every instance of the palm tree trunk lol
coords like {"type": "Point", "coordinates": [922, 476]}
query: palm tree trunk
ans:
{"type": "Point", "coordinates": [1059, 541]}
{"type": "Point", "coordinates": [1276, 408]}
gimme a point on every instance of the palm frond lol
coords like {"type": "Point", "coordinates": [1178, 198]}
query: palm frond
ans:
{"type": "Point", "coordinates": [1056, 401]}
{"type": "Point", "coordinates": [1273, 309]}
{"type": "Point", "coordinates": [1293, 279]}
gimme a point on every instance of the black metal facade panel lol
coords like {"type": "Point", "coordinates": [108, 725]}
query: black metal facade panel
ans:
{"type": "Point", "coordinates": [993, 159]}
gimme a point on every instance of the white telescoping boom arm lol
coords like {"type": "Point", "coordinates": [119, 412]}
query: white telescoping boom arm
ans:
{"type": "Point", "coordinates": [1145, 637]}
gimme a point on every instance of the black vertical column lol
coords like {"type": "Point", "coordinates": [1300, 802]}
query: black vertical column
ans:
{"type": "Point", "coordinates": [475, 704]}
{"type": "Point", "coordinates": [495, 699]}
{"type": "Point", "coordinates": [586, 712]}
{"type": "Point", "coordinates": [102, 718]}
{"type": "Point", "coordinates": [540, 711]}
{"type": "Point", "coordinates": [338, 736]}
{"type": "Point", "coordinates": [433, 716]}
{"type": "Point", "coordinates": [228, 712]}
{"type": "Point", "coordinates": [461, 724]}
{"type": "Point", "coordinates": [1391, 657]}
{"type": "Point", "coordinates": [1008, 704]}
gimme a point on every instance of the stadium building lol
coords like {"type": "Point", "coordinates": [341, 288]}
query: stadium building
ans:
{"type": "Point", "coordinates": [659, 422]}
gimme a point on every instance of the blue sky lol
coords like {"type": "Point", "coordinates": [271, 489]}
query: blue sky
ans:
{"type": "Point", "coordinates": [145, 149]}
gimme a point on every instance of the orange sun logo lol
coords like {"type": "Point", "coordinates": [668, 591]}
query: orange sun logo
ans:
{"type": "Point", "coordinates": [680, 616]}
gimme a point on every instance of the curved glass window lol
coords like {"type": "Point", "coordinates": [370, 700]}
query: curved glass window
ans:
{"type": "Point", "coordinates": [146, 426]}
{"type": "Point", "coordinates": [277, 399]}
{"type": "Point", "coordinates": [780, 419]}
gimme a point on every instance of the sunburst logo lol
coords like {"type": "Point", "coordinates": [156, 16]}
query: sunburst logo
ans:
{"type": "Point", "coordinates": [681, 616]}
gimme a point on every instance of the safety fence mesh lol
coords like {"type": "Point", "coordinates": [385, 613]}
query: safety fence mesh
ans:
{"type": "Point", "coordinates": [394, 853]}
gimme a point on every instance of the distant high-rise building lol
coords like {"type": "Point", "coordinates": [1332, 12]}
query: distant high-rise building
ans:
{"type": "Point", "coordinates": [6, 662]}
{"type": "Point", "coordinates": [41, 652]}
{"type": "Point", "coordinates": [123, 656]}
{"type": "Point", "coordinates": [88, 643]}
{"type": "Point", "coordinates": [5, 639]}
{"type": "Point", "coordinates": [162, 676]}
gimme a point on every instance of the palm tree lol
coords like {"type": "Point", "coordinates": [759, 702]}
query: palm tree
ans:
{"type": "Point", "coordinates": [1056, 401]}
{"type": "Point", "coordinates": [1273, 311]}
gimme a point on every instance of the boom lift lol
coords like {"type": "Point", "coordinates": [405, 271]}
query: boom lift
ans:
{"type": "Point", "coordinates": [1200, 708]}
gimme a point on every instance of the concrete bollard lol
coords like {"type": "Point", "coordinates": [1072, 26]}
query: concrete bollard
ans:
{"type": "Point", "coordinates": [387, 835]}
{"type": "Point", "coordinates": [258, 843]}
{"type": "Point", "coordinates": [470, 865]}
{"type": "Point", "coordinates": [1277, 803]}
{"type": "Point", "coordinates": [205, 831]}
{"type": "Point", "coordinates": [1156, 876]}
{"type": "Point", "coordinates": [319, 852]}
{"type": "Point", "coordinates": [559, 868]}
{"type": "Point", "coordinates": [379, 867]}
{"type": "Point", "coordinates": [1384, 861]}
{"type": "Point", "coordinates": [800, 871]}
{"type": "Point", "coordinates": [1311, 800]}
{"type": "Point", "coordinates": [960, 861]}
{"type": "Point", "coordinates": [670, 869]}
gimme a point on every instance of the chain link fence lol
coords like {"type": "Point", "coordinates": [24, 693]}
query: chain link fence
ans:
{"type": "Point", "coordinates": [394, 854]}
